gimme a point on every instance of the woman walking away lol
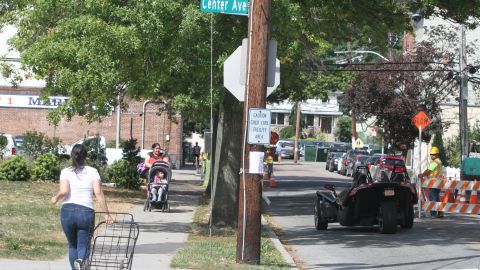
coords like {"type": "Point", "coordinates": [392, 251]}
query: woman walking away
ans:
{"type": "Point", "coordinates": [77, 185]}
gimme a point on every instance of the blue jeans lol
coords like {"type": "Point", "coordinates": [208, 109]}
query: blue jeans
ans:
{"type": "Point", "coordinates": [434, 197]}
{"type": "Point", "coordinates": [77, 223]}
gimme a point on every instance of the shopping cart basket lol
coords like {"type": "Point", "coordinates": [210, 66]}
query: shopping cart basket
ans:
{"type": "Point", "coordinates": [112, 245]}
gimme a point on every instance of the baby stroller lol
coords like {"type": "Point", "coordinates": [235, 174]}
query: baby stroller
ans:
{"type": "Point", "coordinates": [162, 200]}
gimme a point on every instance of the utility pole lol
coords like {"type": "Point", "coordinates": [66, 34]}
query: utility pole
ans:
{"type": "Point", "coordinates": [249, 211]}
{"type": "Point", "coordinates": [463, 96]}
{"type": "Point", "coordinates": [354, 118]}
{"type": "Point", "coordinates": [297, 131]}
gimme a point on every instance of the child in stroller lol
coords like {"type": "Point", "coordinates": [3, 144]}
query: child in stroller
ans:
{"type": "Point", "coordinates": [158, 186]}
{"type": "Point", "coordinates": [158, 181]}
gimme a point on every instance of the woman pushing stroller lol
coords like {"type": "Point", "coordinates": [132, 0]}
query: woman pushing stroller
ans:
{"type": "Point", "coordinates": [155, 155]}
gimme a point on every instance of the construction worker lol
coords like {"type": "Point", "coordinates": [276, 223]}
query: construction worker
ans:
{"type": "Point", "coordinates": [434, 170]}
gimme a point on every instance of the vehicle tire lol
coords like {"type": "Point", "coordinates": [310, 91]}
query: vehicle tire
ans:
{"type": "Point", "coordinates": [320, 224]}
{"type": "Point", "coordinates": [407, 222]}
{"type": "Point", "coordinates": [387, 219]}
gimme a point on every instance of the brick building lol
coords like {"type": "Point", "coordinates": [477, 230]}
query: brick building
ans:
{"type": "Point", "coordinates": [21, 111]}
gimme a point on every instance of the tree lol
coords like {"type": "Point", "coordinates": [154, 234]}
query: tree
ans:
{"type": "Point", "coordinates": [417, 81]}
{"type": "Point", "coordinates": [343, 132]}
{"type": "Point", "coordinates": [438, 142]}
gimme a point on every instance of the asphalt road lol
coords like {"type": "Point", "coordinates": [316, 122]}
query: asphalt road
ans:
{"type": "Point", "coordinates": [449, 243]}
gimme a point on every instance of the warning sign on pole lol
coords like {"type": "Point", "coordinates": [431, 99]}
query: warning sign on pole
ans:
{"type": "Point", "coordinates": [358, 143]}
{"type": "Point", "coordinates": [421, 120]}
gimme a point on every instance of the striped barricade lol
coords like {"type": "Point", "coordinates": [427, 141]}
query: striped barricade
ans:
{"type": "Point", "coordinates": [449, 185]}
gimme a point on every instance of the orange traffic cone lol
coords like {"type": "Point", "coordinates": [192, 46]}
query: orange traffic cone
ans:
{"type": "Point", "coordinates": [474, 197]}
{"type": "Point", "coordinates": [449, 196]}
{"type": "Point", "coordinates": [460, 198]}
{"type": "Point", "coordinates": [272, 181]}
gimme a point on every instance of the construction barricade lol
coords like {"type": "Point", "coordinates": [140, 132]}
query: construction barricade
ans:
{"type": "Point", "coordinates": [455, 197]}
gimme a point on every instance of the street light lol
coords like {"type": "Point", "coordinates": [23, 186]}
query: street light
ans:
{"type": "Point", "coordinates": [363, 52]}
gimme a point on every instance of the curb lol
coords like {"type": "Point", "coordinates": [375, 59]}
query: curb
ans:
{"type": "Point", "coordinates": [274, 238]}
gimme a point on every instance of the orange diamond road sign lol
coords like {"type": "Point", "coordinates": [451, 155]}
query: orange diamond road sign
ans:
{"type": "Point", "coordinates": [421, 120]}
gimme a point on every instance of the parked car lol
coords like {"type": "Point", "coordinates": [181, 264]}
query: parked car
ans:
{"type": "Point", "coordinates": [285, 148]}
{"type": "Point", "coordinates": [384, 166]}
{"type": "Point", "coordinates": [348, 158]}
{"type": "Point", "coordinates": [335, 159]}
{"type": "Point", "coordinates": [358, 160]}
{"type": "Point", "coordinates": [11, 147]}
{"type": "Point", "coordinates": [371, 160]}
{"type": "Point", "coordinates": [338, 147]}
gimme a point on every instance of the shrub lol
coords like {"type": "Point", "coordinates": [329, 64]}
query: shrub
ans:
{"type": "Point", "coordinates": [96, 155]}
{"type": "Point", "coordinates": [46, 167]}
{"type": "Point", "coordinates": [287, 132]}
{"type": "Point", "coordinates": [36, 143]}
{"type": "Point", "coordinates": [130, 151]}
{"type": "Point", "coordinates": [33, 143]}
{"type": "Point", "coordinates": [14, 169]}
{"type": "Point", "coordinates": [124, 174]}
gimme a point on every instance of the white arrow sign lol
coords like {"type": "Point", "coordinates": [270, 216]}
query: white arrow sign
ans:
{"type": "Point", "coordinates": [232, 75]}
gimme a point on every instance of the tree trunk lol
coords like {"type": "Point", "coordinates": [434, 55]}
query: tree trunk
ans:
{"type": "Point", "coordinates": [226, 165]}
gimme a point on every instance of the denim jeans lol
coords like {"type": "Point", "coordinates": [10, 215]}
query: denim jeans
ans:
{"type": "Point", "coordinates": [77, 223]}
{"type": "Point", "coordinates": [434, 197]}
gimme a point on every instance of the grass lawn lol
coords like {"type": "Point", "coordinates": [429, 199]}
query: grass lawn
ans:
{"type": "Point", "coordinates": [30, 224]}
{"type": "Point", "coordinates": [219, 251]}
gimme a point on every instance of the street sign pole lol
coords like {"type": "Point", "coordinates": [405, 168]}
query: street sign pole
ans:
{"type": "Point", "coordinates": [250, 197]}
{"type": "Point", "coordinates": [419, 181]}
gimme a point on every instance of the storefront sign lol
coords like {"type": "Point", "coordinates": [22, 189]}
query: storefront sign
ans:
{"type": "Point", "coordinates": [33, 102]}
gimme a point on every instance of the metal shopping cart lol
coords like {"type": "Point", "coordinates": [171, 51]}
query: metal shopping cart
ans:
{"type": "Point", "coordinates": [112, 245]}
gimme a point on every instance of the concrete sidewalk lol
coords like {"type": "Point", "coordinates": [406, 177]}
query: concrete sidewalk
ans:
{"type": "Point", "coordinates": [161, 233]}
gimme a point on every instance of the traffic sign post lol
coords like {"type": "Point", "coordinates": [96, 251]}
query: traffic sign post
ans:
{"type": "Point", "coordinates": [234, 7]}
{"type": "Point", "coordinates": [259, 126]}
{"type": "Point", "coordinates": [358, 143]}
{"type": "Point", "coordinates": [421, 121]}
{"type": "Point", "coordinates": [234, 72]}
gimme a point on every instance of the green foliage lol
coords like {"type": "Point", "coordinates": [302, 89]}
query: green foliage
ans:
{"type": "Point", "coordinates": [96, 155]}
{"type": "Point", "coordinates": [343, 131]}
{"type": "Point", "coordinates": [438, 142]}
{"type": "Point", "coordinates": [33, 143]}
{"type": "Point", "coordinates": [46, 167]}
{"type": "Point", "coordinates": [287, 132]}
{"type": "Point", "coordinates": [14, 169]}
{"type": "Point", "coordinates": [321, 136]}
{"type": "Point", "coordinates": [453, 153]}
{"type": "Point", "coordinates": [124, 174]}
{"type": "Point", "coordinates": [3, 145]}
{"type": "Point", "coordinates": [36, 143]}
{"type": "Point", "coordinates": [130, 151]}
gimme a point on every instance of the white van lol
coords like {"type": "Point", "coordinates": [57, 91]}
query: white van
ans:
{"type": "Point", "coordinates": [67, 149]}
{"type": "Point", "coordinates": [11, 147]}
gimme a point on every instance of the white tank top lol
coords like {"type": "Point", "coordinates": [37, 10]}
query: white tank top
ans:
{"type": "Point", "coordinates": [81, 185]}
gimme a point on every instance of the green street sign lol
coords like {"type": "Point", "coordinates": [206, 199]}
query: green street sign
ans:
{"type": "Point", "coordinates": [235, 7]}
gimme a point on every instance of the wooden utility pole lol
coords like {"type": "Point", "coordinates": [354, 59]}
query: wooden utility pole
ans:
{"type": "Point", "coordinates": [250, 199]}
{"type": "Point", "coordinates": [354, 118]}
{"type": "Point", "coordinates": [297, 131]}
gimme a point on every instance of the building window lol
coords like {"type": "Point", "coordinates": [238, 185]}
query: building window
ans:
{"type": "Point", "coordinates": [326, 124]}
{"type": "Point", "coordinates": [278, 119]}
{"type": "Point", "coordinates": [309, 120]}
